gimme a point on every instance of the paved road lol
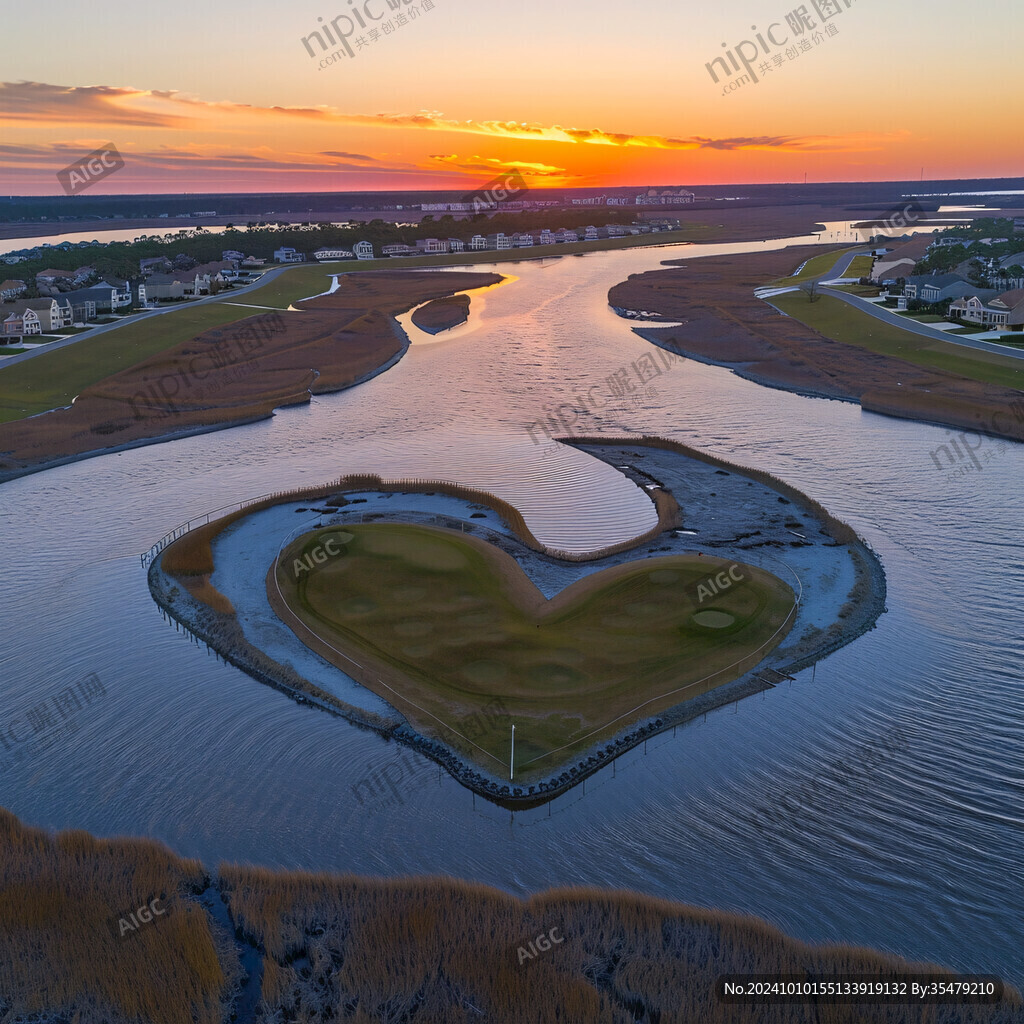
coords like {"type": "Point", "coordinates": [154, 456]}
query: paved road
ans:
{"type": "Point", "coordinates": [889, 317]}
{"type": "Point", "coordinates": [228, 296]}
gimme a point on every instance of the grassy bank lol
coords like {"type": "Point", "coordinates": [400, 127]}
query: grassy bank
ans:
{"type": "Point", "coordinates": [837, 320]}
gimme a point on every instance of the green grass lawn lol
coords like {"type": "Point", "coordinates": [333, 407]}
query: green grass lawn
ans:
{"type": "Point", "coordinates": [921, 318]}
{"type": "Point", "coordinates": [860, 267]}
{"type": "Point", "coordinates": [452, 625]}
{"type": "Point", "coordinates": [837, 320]}
{"type": "Point", "coordinates": [816, 266]}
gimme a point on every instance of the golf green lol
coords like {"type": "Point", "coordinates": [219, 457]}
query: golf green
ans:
{"type": "Point", "coordinates": [447, 628]}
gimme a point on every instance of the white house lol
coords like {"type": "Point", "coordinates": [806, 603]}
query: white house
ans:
{"type": "Point", "coordinates": [286, 254]}
{"type": "Point", "coordinates": [334, 254]}
{"type": "Point", "coordinates": [428, 245]}
{"type": "Point", "coordinates": [456, 245]}
{"type": "Point", "coordinates": [499, 241]}
{"type": "Point", "coordinates": [363, 250]}
{"type": "Point", "coordinates": [974, 311]}
{"type": "Point", "coordinates": [477, 242]}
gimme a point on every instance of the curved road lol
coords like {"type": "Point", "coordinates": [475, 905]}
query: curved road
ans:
{"type": "Point", "coordinates": [228, 296]}
{"type": "Point", "coordinates": [887, 315]}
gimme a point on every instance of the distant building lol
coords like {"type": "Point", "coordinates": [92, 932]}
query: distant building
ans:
{"type": "Point", "coordinates": [399, 249]}
{"type": "Point", "coordinates": [477, 242]}
{"type": "Point", "coordinates": [430, 245]}
{"type": "Point", "coordinates": [363, 250]}
{"type": "Point", "coordinates": [939, 287]}
{"type": "Point", "coordinates": [286, 254]}
{"type": "Point", "coordinates": [334, 254]}
{"type": "Point", "coordinates": [456, 245]}
{"type": "Point", "coordinates": [11, 289]}
{"type": "Point", "coordinates": [155, 264]}
{"type": "Point", "coordinates": [499, 241]}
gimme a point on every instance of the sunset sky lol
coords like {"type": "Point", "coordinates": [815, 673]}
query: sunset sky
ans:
{"type": "Point", "coordinates": [226, 97]}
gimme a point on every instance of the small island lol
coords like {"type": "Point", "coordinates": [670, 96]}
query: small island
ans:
{"type": "Point", "coordinates": [442, 314]}
{"type": "Point", "coordinates": [430, 613]}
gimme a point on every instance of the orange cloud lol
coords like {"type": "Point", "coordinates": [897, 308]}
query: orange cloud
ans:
{"type": "Point", "coordinates": [34, 101]}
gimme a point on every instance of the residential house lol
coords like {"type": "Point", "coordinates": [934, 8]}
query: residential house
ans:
{"type": "Point", "coordinates": [477, 242]}
{"type": "Point", "coordinates": [590, 233]}
{"type": "Point", "coordinates": [940, 287]}
{"type": "Point", "coordinates": [286, 254]}
{"type": "Point", "coordinates": [522, 239]}
{"type": "Point", "coordinates": [232, 254]}
{"type": "Point", "coordinates": [547, 237]}
{"type": "Point", "coordinates": [1016, 260]}
{"type": "Point", "coordinates": [321, 254]}
{"type": "Point", "coordinates": [11, 289]}
{"type": "Point", "coordinates": [363, 250]}
{"type": "Point", "coordinates": [565, 235]}
{"type": "Point", "coordinates": [109, 296]}
{"type": "Point", "coordinates": [19, 325]}
{"type": "Point", "coordinates": [887, 271]}
{"type": "Point", "coordinates": [974, 311]}
{"type": "Point", "coordinates": [399, 249]}
{"type": "Point", "coordinates": [1013, 303]}
{"type": "Point", "coordinates": [82, 310]}
{"type": "Point", "coordinates": [45, 277]}
{"type": "Point", "coordinates": [946, 240]}
{"type": "Point", "coordinates": [429, 245]}
{"type": "Point", "coordinates": [456, 245]}
{"type": "Point", "coordinates": [499, 241]}
{"type": "Point", "coordinates": [48, 313]}
{"type": "Point", "coordinates": [180, 284]}
{"type": "Point", "coordinates": [155, 265]}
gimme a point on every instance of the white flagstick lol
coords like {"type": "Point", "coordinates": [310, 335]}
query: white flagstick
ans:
{"type": "Point", "coordinates": [512, 755]}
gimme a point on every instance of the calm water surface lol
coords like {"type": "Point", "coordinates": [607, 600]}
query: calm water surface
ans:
{"type": "Point", "coordinates": [795, 805]}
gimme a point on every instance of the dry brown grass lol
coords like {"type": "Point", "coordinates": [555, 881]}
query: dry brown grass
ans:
{"type": "Point", "coordinates": [446, 951]}
{"type": "Point", "coordinates": [373, 951]}
{"type": "Point", "coordinates": [324, 344]}
{"type": "Point", "coordinates": [61, 898]}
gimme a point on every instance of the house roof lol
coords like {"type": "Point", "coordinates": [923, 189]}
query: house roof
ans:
{"type": "Point", "coordinates": [55, 273]}
{"type": "Point", "coordinates": [939, 281]}
{"type": "Point", "coordinates": [11, 283]}
{"type": "Point", "coordinates": [1009, 300]}
{"type": "Point", "coordinates": [22, 304]}
{"type": "Point", "coordinates": [912, 250]}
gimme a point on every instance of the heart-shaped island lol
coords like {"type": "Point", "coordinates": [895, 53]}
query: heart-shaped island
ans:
{"type": "Point", "coordinates": [445, 626]}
